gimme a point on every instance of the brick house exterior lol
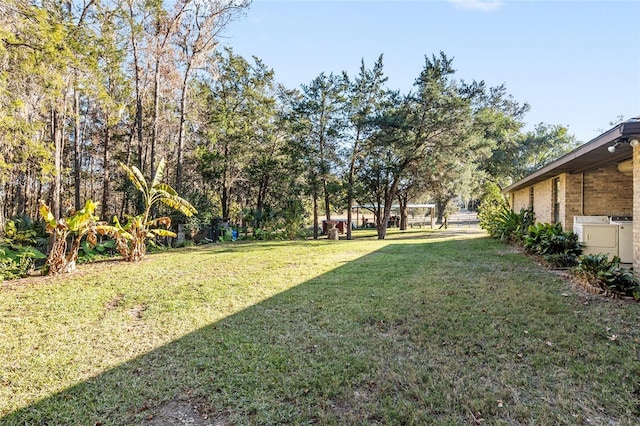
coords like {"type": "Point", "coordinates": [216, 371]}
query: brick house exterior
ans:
{"type": "Point", "coordinates": [599, 178]}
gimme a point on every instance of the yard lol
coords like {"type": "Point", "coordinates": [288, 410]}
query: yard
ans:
{"type": "Point", "coordinates": [426, 327]}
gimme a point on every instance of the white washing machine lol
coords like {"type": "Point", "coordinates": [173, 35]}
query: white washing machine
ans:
{"type": "Point", "coordinates": [625, 237]}
{"type": "Point", "coordinates": [596, 235]}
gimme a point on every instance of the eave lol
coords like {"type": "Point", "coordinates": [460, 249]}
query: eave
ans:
{"type": "Point", "coordinates": [592, 155]}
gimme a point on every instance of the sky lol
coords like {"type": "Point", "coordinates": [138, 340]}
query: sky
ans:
{"type": "Point", "coordinates": [576, 63]}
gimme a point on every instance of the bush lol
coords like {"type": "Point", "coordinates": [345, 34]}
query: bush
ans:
{"type": "Point", "coordinates": [101, 250]}
{"type": "Point", "coordinates": [553, 244]}
{"type": "Point", "coordinates": [608, 275]}
{"type": "Point", "coordinates": [506, 225]}
{"type": "Point", "coordinates": [17, 261]}
{"type": "Point", "coordinates": [19, 247]}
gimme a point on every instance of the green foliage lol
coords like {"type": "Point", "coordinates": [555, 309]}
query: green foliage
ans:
{"type": "Point", "coordinates": [524, 153]}
{"type": "Point", "coordinates": [21, 230]}
{"type": "Point", "coordinates": [608, 275]}
{"type": "Point", "coordinates": [91, 253]}
{"type": "Point", "coordinates": [492, 204]}
{"type": "Point", "coordinates": [16, 261]}
{"type": "Point", "coordinates": [505, 225]}
{"type": "Point", "coordinates": [286, 223]}
{"type": "Point", "coordinates": [293, 216]}
{"type": "Point", "coordinates": [62, 257]}
{"type": "Point", "coordinates": [131, 238]}
{"type": "Point", "coordinates": [19, 247]}
{"type": "Point", "coordinates": [554, 245]}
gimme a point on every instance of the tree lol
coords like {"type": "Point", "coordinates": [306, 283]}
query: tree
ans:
{"type": "Point", "coordinates": [201, 24]}
{"type": "Point", "coordinates": [528, 152]}
{"type": "Point", "coordinates": [433, 119]}
{"type": "Point", "coordinates": [74, 227]}
{"type": "Point", "coordinates": [366, 93]}
{"type": "Point", "coordinates": [236, 124]}
{"type": "Point", "coordinates": [321, 124]}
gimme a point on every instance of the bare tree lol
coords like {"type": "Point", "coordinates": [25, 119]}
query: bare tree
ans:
{"type": "Point", "coordinates": [196, 38]}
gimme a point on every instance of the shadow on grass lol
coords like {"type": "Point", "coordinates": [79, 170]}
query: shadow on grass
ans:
{"type": "Point", "coordinates": [372, 341]}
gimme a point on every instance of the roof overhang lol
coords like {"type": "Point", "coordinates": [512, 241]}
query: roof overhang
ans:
{"type": "Point", "coordinates": [592, 155]}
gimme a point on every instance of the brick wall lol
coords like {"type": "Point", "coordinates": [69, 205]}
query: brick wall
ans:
{"type": "Point", "coordinates": [608, 192]}
{"type": "Point", "coordinates": [542, 203]}
{"type": "Point", "coordinates": [572, 194]}
{"type": "Point", "coordinates": [520, 200]}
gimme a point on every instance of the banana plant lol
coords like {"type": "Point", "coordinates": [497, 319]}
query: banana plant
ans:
{"type": "Point", "coordinates": [62, 257]}
{"type": "Point", "coordinates": [131, 238]}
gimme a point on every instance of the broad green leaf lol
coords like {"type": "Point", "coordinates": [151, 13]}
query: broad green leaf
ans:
{"type": "Point", "coordinates": [46, 214]}
{"type": "Point", "coordinates": [162, 232]}
{"type": "Point", "coordinates": [159, 173]}
{"type": "Point", "coordinates": [166, 188]}
{"type": "Point", "coordinates": [135, 176]}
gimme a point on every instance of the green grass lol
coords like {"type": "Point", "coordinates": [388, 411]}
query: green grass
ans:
{"type": "Point", "coordinates": [426, 327]}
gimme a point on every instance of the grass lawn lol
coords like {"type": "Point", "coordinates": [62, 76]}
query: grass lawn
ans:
{"type": "Point", "coordinates": [426, 327]}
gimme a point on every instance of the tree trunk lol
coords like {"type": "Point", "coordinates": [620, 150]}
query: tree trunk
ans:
{"type": "Point", "coordinates": [315, 215]}
{"type": "Point", "coordinates": [2, 206]}
{"type": "Point", "coordinates": [262, 192]}
{"type": "Point", "coordinates": [225, 185]}
{"type": "Point", "coordinates": [21, 189]}
{"type": "Point", "coordinates": [327, 204]}
{"type": "Point", "coordinates": [404, 212]}
{"type": "Point", "coordinates": [350, 198]}
{"type": "Point", "coordinates": [349, 215]}
{"type": "Point", "coordinates": [106, 176]}
{"type": "Point", "coordinates": [154, 118]}
{"type": "Point", "coordinates": [441, 206]}
{"type": "Point", "coordinates": [138, 91]}
{"type": "Point", "coordinates": [76, 149]}
{"type": "Point", "coordinates": [388, 200]}
{"type": "Point", "coordinates": [225, 201]}
{"type": "Point", "coordinates": [57, 136]}
{"type": "Point", "coordinates": [183, 102]}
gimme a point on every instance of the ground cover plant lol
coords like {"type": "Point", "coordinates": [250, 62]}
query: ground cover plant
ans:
{"type": "Point", "coordinates": [607, 274]}
{"type": "Point", "coordinates": [549, 241]}
{"type": "Point", "coordinates": [426, 327]}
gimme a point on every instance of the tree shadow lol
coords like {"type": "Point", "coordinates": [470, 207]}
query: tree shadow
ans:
{"type": "Point", "coordinates": [283, 356]}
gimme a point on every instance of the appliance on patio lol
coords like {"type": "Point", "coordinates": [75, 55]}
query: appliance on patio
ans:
{"type": "Point", "coordinates": [597, 235]}
{"type": "Point", "coordinates": [625, 237]}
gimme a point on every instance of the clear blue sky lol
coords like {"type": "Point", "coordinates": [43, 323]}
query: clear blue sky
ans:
{"type": "Point", "coordinates": [577, 63]}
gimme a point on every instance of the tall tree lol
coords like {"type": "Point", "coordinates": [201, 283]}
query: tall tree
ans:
{"type": "Point", "coordinates": [196, 38]}
{"type": "Point", "coordinates": [527, 152]}
{"type": "Point", "coordinates": [434, 118]}
{"type": "Point", "coordinates": [235, 118]}
{"type": "Point", "coordinates": [321, 126]}
{"type": "Point", "coordinates": [366, 93]}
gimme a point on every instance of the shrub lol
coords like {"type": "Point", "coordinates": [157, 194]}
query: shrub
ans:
{"type": "Point", "coordinates": [19, 247]}
{"type": "Point", "coordinates": [101, 250]}
{"type": "Point", "coordinates": [506, 225]}
{"type": "Point", "coordinates": [16, 261]}
{"type": "Point", "coordinates": [608, 275]}
{"type": "Point", "coordinates": [22, 231]}
{"type": "Point", "coordinates": [553, 244]}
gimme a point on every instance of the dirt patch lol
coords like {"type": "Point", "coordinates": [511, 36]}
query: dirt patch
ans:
{"type": "Point", "coordinates": [177, 412]}
{"type": "Point", "coordinates": [136, 311]}
{"type": "Point", "coordinates": [114, 303]}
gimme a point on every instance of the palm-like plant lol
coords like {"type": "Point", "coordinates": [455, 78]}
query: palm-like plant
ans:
{"type": "Point", "coordinates": [83, 222]}
{"type": "Point", "coordinates": [131, 238]}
